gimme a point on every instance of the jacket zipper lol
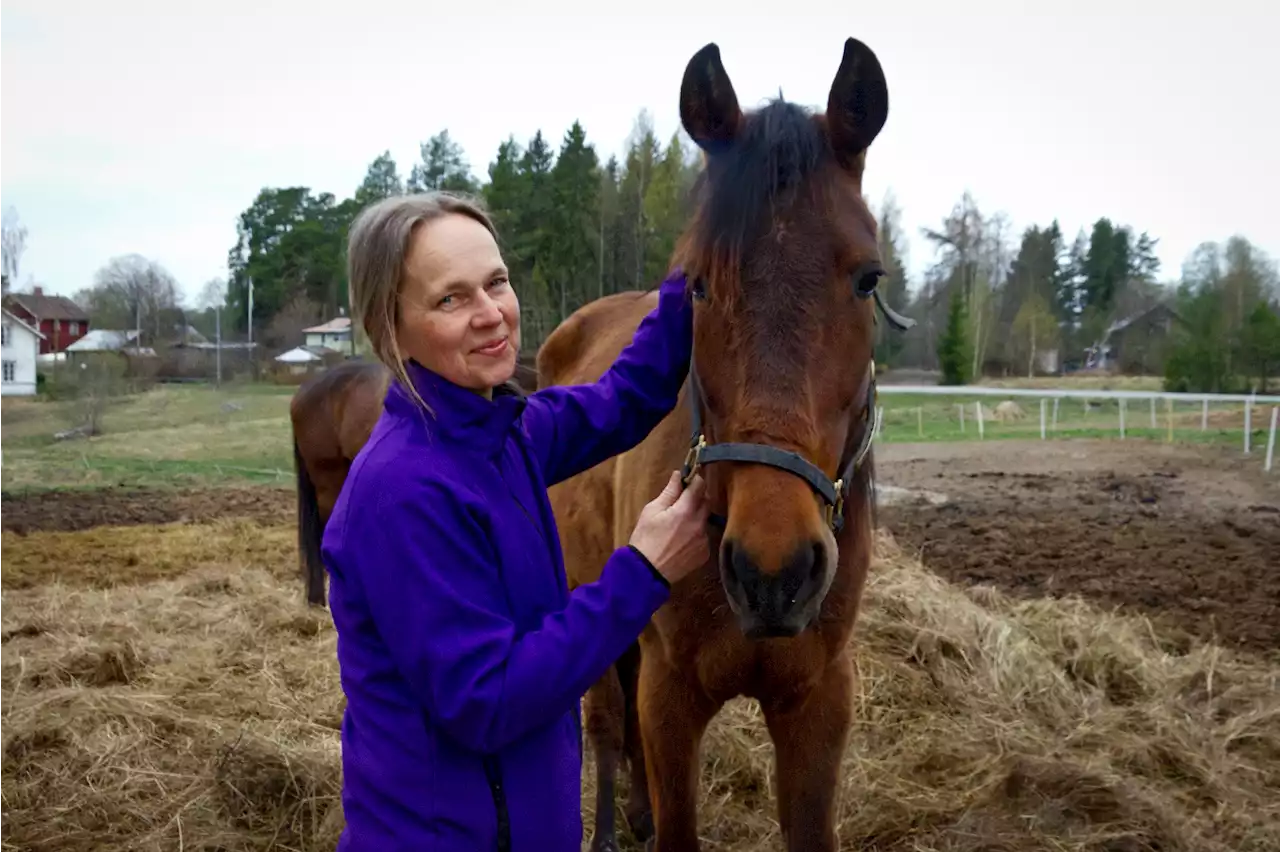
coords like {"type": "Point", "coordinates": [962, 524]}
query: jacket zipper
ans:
{"type": "Point", "coordinates": [493, 771]}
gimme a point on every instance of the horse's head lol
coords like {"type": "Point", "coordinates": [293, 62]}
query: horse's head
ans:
{"type": "Point", "coordinates": [783, 259]}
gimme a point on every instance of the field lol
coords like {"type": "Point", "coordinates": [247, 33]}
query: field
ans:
{"type": "Point", "coordinates": [1075, 645]}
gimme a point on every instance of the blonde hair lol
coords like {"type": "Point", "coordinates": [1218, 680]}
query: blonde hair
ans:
{"type": "Point", "coordinates": [377, 244]}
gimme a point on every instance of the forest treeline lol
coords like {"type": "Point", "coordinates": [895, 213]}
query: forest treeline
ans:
{"type": "Point", "coordinates": [574, 227]}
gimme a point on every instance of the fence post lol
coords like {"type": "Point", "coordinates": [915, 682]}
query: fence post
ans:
{"type": "Point", "coordinates": [1248, 424]}
{"type": "Point", "coordinates": [960, 405]}
{"type": "Point", "coordinates": [1121, 419]}
{"type": "Point", "coordinates": [1204, 414]}
{"type": "Point", "coordinates": [1271, 438]}
{"type": "Point", "coordinates": [1055, 413]}
{"type": "Point", "coordinates": [977, 406]}
{"type": "Point", "coordinates": [1042, 407]}
{"type": "Point", "coordinates": [1168, 408]}
{"type": "Point", "coordinates": [1153, 413]}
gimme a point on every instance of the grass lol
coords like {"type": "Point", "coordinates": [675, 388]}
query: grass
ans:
{"type": "Point", "coordinates": [195, 703]}
{"type": "Point", "coordinates": [192, 435]}
{"type": "Point", "coordinates": [926, 417]}
{"type": "Point", "coordinates": [172, 435]}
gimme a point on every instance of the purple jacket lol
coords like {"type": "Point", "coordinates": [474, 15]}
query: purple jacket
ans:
{"type": "Point", "coordinates": [463, 655]}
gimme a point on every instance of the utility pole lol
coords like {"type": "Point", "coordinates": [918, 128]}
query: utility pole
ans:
{"type": "Point", "coordinates": [251, 310]}
{"type": "Point", "coordinates": [217, 336]}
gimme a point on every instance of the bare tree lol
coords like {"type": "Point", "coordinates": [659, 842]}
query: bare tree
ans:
{"type": "Point", "coordinates": [285, 328]}
{"type": "Point", "coordinates": [13, 240]}
{"type": "Point", "coordinates": [212, 295]}
{"type": "Point", "coordinates": [134, 292]}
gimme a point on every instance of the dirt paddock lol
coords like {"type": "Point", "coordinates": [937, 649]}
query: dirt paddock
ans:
{"type": "Point", "coordinates": [1188, 535]}
{"type": "Point", "coordinates": [165, 687]}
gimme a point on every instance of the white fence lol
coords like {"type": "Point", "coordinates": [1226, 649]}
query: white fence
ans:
{"type": "Point", "coordinates": [1269, 403]}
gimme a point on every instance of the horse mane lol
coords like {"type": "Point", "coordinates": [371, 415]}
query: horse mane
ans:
{"type": "Point", "coordinates": [776, 151]}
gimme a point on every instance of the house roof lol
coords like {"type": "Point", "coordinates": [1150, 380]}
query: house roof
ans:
{"type": "Point", "coordinates": [304, 354]}
{"type": "Point", "coordinates": [20, 321]}
{"type": "Point", "coordinates": [1158, 307]}
{"type": "Point", "coordinates": [103, 340]}
{"type": "Point", "coordinates": [333, 326]}
{"type": "Point", "coordinates": [46, 307]}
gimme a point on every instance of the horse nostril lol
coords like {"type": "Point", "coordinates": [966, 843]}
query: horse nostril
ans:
{"type": "Point", "coordinates": [818, 566]}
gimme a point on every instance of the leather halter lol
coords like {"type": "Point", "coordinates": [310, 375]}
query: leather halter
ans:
{"type": "Point", "coordinates": [833, 494]}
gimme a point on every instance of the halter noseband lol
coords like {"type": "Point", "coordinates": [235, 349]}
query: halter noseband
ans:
{"type": "Point", "coordinates": [832, 493]}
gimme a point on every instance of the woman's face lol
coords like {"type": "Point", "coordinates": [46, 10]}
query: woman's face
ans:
{"type": "Point", "coordinates": [459, 316]}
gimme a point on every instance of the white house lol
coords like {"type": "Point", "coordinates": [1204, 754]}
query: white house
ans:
{"type": "Point", "coordinates": [21, 348]}
{"type": "Point", "coordinates": [334, 334]}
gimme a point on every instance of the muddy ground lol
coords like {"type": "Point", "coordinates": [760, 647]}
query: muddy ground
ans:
{"type": "Point", "coordinates": [1188, 535]}
{"type": "Point", "coordinates": [70, 511]}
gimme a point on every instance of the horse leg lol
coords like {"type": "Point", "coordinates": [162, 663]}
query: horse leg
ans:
{"type": "Point", "coordinates": [638, 812]}
{"type": "Point", "coordinates": [809, 737]}
{"type": "Point", "coordinates": [311, 520]}
{"type": "Point", "coordinates": [605, 721]}
{"type": "Point", "coordinates": [674, 713]}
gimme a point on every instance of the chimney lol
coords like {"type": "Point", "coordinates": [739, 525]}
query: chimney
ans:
{"type": "Point", "coordinates": [37, 290]}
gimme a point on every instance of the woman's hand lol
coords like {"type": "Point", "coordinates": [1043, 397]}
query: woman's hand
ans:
{"type": "Point", "coordinates": [672, 529]}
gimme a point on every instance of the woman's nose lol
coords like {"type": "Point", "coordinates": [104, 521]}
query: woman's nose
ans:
{"type": "Point", "coordinates": [490, 311]}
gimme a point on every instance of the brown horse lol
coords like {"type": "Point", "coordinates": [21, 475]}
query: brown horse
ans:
{"type": "Point", "coordinates": [333, 415]}
{"type": "Point", "coordinates": [782, 258]}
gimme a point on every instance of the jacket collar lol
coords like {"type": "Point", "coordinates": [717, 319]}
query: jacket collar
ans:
{"type": "Point", "coordinates": [461, 416]}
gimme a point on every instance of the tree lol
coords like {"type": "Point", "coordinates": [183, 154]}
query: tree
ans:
{"type": "Point", "coordinates": [444, 166]}
{"type": "Point", "coordinates": [381, 180]}
{"type": "Point", "coordinates": [1260, 344]}
{"type": "Point", "coordinates": [954, 347]}
{"type": "Point", "coordinates": [135, 292]}
{"type": "Point", "coordinates": [13, 241]}
{"type": "Point", "coordinates": [893, 286]}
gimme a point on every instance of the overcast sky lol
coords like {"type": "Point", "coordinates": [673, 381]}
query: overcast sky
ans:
{"type": "Point", "coordinates": [148, 127]}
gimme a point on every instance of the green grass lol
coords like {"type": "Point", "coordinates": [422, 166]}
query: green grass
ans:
{"type": "Point", "coordinates": [929, 418]}
{"type": "Point", "coordinates": [185, 435]}
{"type": "Point", "coordinates": [170, 435]}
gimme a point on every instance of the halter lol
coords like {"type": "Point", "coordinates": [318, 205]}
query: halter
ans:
{"type": "Point", "coordinates": [832, 493]}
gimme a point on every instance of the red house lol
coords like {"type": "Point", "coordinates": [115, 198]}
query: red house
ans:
{"type": "Point", "coordinates": [60, 320]}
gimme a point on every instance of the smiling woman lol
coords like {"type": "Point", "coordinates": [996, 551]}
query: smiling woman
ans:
{"type": "Point", "coordinates": [439, 288]}
{"type": "Point", "coordinates": [462, 650]}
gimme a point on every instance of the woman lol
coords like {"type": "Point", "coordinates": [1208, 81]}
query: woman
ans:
{"type": "Point", "coordinates": [463, 654]}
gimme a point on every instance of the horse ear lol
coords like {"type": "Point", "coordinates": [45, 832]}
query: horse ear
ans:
{"type": "Point", "coordinates": [708, 105]}
{"type": "Point", "coordinates": [858, 104]}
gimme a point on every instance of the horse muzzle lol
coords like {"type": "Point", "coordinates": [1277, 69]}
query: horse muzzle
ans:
{"type": "Point", "coordinates": [781, 603]}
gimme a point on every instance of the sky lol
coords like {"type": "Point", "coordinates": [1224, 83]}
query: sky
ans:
{"type": "Point", "coordinates": [149, 126]}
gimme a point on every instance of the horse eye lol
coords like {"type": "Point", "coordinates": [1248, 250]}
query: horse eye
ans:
{"type": "Point", "coordinates": [699, 292]}
{"type": "Point", "coordinates": [865, 281]}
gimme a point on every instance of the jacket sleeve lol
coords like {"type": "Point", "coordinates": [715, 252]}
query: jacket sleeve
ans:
{"type": "Point", "coordinates": [575, 427]}
{"type": "Point", "coordinates": [434, 589]}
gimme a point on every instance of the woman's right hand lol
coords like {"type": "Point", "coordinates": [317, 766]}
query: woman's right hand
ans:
{"type": "Point", "coordinates": [672, 529]}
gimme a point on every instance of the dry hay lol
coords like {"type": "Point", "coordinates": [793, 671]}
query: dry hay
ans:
{"type": "Point", "coordinates": [202, 711]}
{"type": "Point", "coordinates": [1007, 412]}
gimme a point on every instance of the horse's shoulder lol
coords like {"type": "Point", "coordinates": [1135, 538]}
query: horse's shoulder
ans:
{"type": "Point", "coordinates": [604, 324]}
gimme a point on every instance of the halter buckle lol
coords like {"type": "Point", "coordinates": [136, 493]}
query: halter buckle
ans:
{"type": "Point", "coordinates": [691, 459]}
{"type": "Point", "coordinates": [836, 509]}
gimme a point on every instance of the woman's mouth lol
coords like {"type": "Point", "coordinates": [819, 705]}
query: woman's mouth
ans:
{"type": "Point", "coordinates": [497, 347]}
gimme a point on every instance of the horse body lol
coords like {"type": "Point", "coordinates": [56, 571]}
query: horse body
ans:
{"type": "Point", "coordinates": [782, 258]}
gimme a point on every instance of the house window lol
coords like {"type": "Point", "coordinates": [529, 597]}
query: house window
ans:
{"type": "Point", "coordinates": [75, 329]}
{"type": "Point", "coordinates": [4, 334]}
{"type": "Point", "coordinates": [10, 370]}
